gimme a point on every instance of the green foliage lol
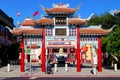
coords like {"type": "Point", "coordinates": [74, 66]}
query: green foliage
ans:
{"type": "Point", "coordinates": [111, 42]}
{"type": "Point", "coordinates": [106, 20]}
{"type": "Point", "coordinates": [95, 20]}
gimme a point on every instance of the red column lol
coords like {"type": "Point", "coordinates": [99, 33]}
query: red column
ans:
{"type": "Point", "coordinates": [78, 50]}
{"type": "Point", "coordinates": [22, 64]}
{"type": "Point", "coordinates": [68, 52]}
{"type": "Point", "coordinates": [99, 55]}
{"type": "Point", "coordinates": [50, 53]}
{"type": "Point", "coordinates": [50, 50]}
{"type": "Point", "coordinates": [43, 50]}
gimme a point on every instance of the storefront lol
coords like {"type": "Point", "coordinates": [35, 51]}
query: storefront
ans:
{"type": "Point", "coordinates": [6, 26]}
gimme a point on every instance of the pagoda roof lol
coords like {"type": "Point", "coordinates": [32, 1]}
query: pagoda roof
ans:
{"type": "Point", "coordinates": [49, 21]}
{"type": "Point", "coordinates": [28, 31]}
{"type": "Point", "coordinates": [44, 21]}
{"type": "Point", "coordinates": [83, 31]}
{"type": "Point", "coordinates": [27, 22]}
{"type": "Point", "coordinates": [60, 8]}
{"type": "Point", "coordinates": [77, 21]}
{"type": "Point", "coordinates": [94, 31]}
{"type": "Point", "coordinates": [116, 12]}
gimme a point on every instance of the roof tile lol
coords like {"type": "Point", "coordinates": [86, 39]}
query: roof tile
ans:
{"type": "Point", "coordinates": [60, 10]}
{"type": "Point", "coordinates": [94, 31]}
{"type": "Point", "coordinates": [28, 31]}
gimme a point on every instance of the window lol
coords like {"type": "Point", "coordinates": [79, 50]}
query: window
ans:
{"type": "Point", "coordinates": [60, 31]}
{"type": "Point", "coordinates": [72, 31]}
{"type": "Point", "coordinates": [49, 32]}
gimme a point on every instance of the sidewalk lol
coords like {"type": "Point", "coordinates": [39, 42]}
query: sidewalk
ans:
{"type": "Point", "coordinates": [85, 72]}
{"type": "Point", "coordinates": [14, 71]}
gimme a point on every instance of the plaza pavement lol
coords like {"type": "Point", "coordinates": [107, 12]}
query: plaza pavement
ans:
{"type": "Point", "coordinates": [36, 72]}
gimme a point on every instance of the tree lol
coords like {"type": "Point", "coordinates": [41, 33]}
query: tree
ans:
{"type": "Point", "coordinates": [106, 20]}
{"type": "Point", "coordinates": [111, 42]}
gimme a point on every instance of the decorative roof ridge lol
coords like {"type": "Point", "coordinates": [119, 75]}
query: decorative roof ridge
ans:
{"type": "Point", "coordinates": [94, 31]}
{"type": "Point", "coordinates": [28, 19]}
{"type": "Point", "coordinates": [60, 5]}
{"type": "Point", "coordinates": [60, 8]}
{"type": "Point", "coordinates": [116, 12]}
{"type": "Point", "coordinates": [43, 19]}
{"type": "Point", "coordinates": [17, 29]}
{"type": "Point", "coordinates": [78, 18]}
{"type": "Point", "coordinates": [96, 28]}
{"type": "Point", "coordinates": [46, 18]}
{"type": "Point", "coordinates": [26, 29]}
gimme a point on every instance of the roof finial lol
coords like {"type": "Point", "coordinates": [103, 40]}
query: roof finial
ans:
{"type": "Point", "coordinates": [112, 27]}
{"type": "Point", "coordinates": [67, 4]}
{"type": "Point", "coordinates": [42, 7]}
{"type": "Point", "coordinates": [79, 16]}
{"type": "Point", "coordinates": [79, 6]}
{"type": "Point", "coordinates": [60, 4]}
{"type": "Point", "coordinates": [53, 5]}
{"type": "Point", "coordinates": [41, 15]}
{"type": "Point", "coordinates": [90, 16]}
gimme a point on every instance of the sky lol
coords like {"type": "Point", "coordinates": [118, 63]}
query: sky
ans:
{"type": "Point", "coordinates": [28, 7]}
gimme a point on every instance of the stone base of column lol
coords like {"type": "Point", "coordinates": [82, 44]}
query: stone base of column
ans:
{"type": "Point", "coordinates": [66, 67]}
{"type": "Point", "coordinates": [55, 67]}
{"type": "Point", "coordinates": [115, 67]}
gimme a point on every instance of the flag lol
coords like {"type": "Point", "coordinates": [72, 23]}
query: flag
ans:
{"type": "Point", "coordinates": [36, 13]}
{"type": "Point", "coordinates": [18, 13]}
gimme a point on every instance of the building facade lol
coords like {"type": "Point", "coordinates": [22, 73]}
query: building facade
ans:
{"type": "Point", "coordinates": [6, 26]}
{"type": "Point", "coordinates": [60, 36]}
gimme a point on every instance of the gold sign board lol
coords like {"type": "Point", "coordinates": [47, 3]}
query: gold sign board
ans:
{"type": "Point", "coordinates": [60, 20]}
{"type": "Point", "coordinates": [60, 31]}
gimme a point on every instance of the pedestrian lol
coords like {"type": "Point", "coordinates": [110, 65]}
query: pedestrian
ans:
{"type": "Point", "coordinates": [94, 60]}
{"type": "Point", "coordinates": [39, 59]}
{"type": "Point", "coordinates": [49, 67]}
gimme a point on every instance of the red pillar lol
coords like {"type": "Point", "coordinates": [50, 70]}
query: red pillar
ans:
{"type": "Point", "coordinates": [99, 55]}
{"type": "Point", "coordinates": [43, 50]}
{"type": "Point", "coordinates": [50, 53]}
{"type": "Point", "coordinates": [78, 50]}
{"type": "Point", "coordinates": [68, 51]}
{"type": "Point", "coordinates": [22, 64]}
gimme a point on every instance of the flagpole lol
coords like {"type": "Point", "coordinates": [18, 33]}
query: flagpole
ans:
{"type": "Point", "coordinates": [30, 14]}
{"type": "Point", "coordinates": [18, 15]}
